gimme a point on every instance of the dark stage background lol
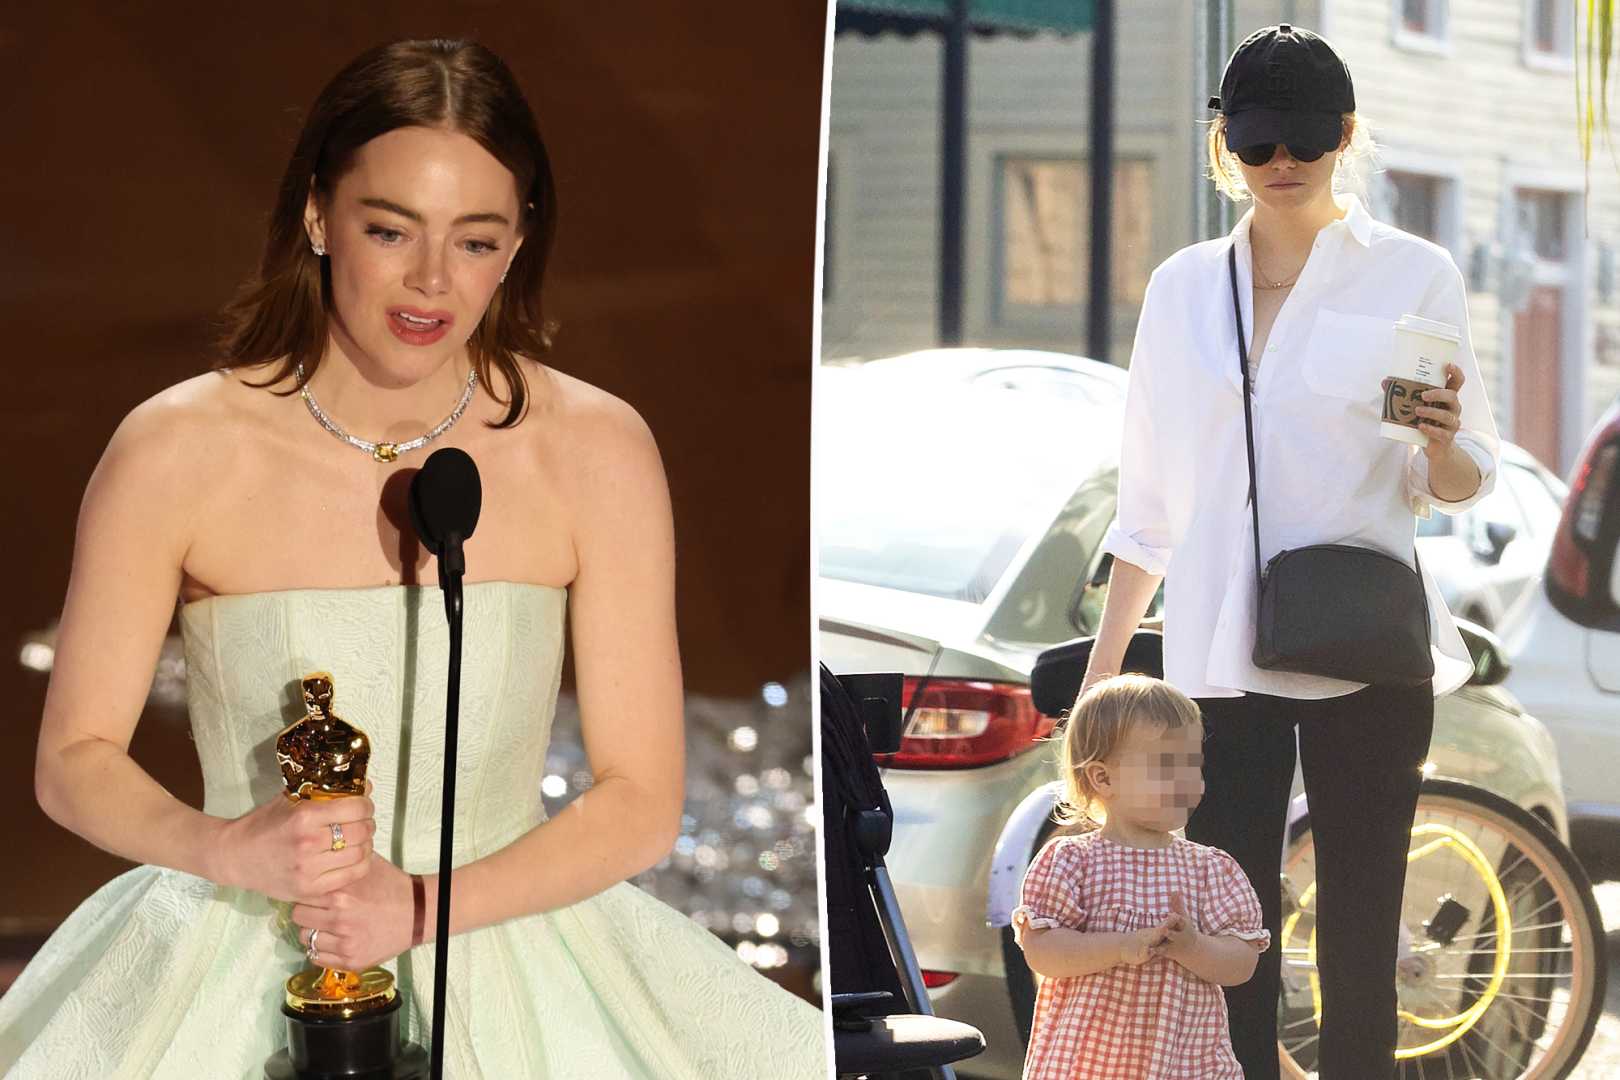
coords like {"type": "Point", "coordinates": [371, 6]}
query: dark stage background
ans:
{"type": "Point", "coordinates": [144, 149]}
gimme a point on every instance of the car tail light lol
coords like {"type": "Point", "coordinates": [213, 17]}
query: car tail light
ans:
{"type": "Point", "coordinates": [1578, 543]}
{"type": "Point", "coordinates": [935, 979]}
{"type": "Point", "coordinates": [959, 724]}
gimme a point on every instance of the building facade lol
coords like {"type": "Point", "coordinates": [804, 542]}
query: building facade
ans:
{"type": "Point", "coordinates": [1472, 107]}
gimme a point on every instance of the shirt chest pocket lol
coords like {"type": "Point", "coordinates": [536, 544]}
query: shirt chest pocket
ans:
{"type": "Point", "coordinates": [1347, 357]}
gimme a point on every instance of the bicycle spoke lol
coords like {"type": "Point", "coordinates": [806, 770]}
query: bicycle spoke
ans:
{"type": "Point", "coordinates": [1518, 1002]}
{"type": "Point", "coordinates": [1557, 954]}
{"type": "Point", "coordinates": [1544, 907]}
{"type": "Point", "coordinates": [1484, 978]}
{"type": "Point", "coordinates": [1302, 1045]}
{"type": "Point", "coordinates": [1561, 949]}
{"type": "Point", "coordinates": [1517, 999]}
{"type": "Point", "coordinates": [1492, 933]}
{"type": "Point", "coordinates": [1471, 1056]}
{"type": "Point", "coordinates": [1521, 997]}
{"type": "Point", "coordinates": [1457, 866]}
{"type": "Point", "coordinates": [1473, 1059]}
{"type": "Point", "coordinates": [1541, 933]}
{"type": "Point", "coordinates": [1442, 1006]}
{"type": "Point", "coordinates": [1475, 1031]}
{"type": "Point", "coordinates": [1529, 886]}
{"type": "Point", "coordinates": [1507, 871]}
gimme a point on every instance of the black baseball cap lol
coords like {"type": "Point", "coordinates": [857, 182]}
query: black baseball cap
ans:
{"type": "Point", "coordinates": [1285, 85]}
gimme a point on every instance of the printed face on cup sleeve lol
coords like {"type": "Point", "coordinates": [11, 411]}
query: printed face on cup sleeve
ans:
{"type": "Point", "coordinates": [1401, 400]}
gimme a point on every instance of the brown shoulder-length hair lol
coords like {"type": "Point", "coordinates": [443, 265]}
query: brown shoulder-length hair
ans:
{"type": "Point", "coordinates": [281, 314]}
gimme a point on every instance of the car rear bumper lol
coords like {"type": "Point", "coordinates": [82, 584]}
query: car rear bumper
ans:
{"type": "Point", "coordinates": [945, 830]}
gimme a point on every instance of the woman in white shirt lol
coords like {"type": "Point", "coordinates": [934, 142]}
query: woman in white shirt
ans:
{"type": "Point", "coordinates": [1321, 285]}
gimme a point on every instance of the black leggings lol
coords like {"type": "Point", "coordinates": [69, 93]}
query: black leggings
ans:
{"type": "Point", "coordinates": [1361, 755]}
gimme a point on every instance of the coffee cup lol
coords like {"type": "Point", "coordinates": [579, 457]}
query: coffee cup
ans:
{"type": "Point", "coordinates": [1423, 348]}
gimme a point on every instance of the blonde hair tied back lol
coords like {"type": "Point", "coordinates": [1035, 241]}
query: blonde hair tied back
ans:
{"type": "Point", "coordinates": [1098, 724]}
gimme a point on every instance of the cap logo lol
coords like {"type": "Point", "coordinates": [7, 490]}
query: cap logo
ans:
{"type": "Point", "coordinates": [1281, 85]}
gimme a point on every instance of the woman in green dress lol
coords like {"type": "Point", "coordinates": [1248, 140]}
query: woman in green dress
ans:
{"type": "Point", "coordinates": [397, 310]}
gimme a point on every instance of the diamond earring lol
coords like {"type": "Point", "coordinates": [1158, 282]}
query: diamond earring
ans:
{"type": "Point", "coordinates": [317, 247]}
{"type": "Point", "coordinates": [503, 275]}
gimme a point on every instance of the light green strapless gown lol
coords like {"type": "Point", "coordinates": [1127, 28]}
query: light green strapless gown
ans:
{"type": "Point", "coordinates": [163, 974]}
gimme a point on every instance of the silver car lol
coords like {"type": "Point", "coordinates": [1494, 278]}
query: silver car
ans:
{"type": "Point", "coordinates": [961, 498]}
{"type": "Point", "coordinates": [1486, 558]}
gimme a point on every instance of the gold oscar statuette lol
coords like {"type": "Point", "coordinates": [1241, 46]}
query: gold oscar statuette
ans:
{"type": "Point", "coordinates": [322, 757]}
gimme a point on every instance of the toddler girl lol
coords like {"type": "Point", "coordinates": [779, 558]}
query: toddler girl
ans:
{"type": "Point", "coordinates": [1134, 930]}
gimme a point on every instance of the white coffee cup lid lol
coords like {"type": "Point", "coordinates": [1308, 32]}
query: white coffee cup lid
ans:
{"type": "Point", "coordinates": [1433, 327]}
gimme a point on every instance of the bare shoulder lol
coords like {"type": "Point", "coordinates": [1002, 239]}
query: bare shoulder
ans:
{"type": "Point", "coordinates": [589, 411]}
{"type": "Point", "coordinates": [167, 458]}
{"type": "Point", "coordinates": [603, 433]}
{"type": "Point", "coordinates": [606, 466]}
{"type": "Point", "coordinates": [196, 418]}
{"type": "Point", "coordinates": [179, 445]}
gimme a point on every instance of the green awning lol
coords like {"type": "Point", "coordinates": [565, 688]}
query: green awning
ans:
{"type": "Point", "coordinates": [1016, 16]}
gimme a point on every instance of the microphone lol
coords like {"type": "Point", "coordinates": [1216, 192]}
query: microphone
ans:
{"type": "Point", "coordinates": [445, 499]}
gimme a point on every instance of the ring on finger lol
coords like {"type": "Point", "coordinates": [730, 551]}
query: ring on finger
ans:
{"type": "Point", "coordinates": [310, 949]}
{"type": "Point", "coordinates": [338, 843]}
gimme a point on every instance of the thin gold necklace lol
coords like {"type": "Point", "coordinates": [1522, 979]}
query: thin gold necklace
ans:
{"type": "Point", "coordinates": [1265, 282]}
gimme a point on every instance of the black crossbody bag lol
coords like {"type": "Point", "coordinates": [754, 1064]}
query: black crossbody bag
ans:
{"type": "Point", "coordinates": [1336, 610]}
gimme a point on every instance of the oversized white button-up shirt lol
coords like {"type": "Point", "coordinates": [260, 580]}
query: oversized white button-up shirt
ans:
{"type": "Point", "coordinates": [1325, 475]}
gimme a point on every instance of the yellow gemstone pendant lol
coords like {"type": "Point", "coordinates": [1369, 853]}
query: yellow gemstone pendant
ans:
{"type": "Point", "coordinates": [385, 451]}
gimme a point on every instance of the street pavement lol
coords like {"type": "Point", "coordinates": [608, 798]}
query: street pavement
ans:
{"type": "Point", "coordinates": [1602, 1058]}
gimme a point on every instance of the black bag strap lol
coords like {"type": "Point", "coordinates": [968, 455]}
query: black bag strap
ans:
{"type": "Point", "coordinates": [1248, 415]}
{"type": "Point", "coordinates": [1248, 425]}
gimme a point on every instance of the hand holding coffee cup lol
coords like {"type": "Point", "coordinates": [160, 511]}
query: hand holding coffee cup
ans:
{"type": "Point", "coordinates": [1421, 406]}
{"type": "Point", "coordinates": [1437, 413]}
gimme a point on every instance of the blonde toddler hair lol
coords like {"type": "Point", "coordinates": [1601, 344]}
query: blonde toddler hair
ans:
{"type": "Point", "coordinates": [1098, 724]}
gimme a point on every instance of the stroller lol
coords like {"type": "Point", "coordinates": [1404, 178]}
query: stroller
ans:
{"type": "Point", "coordinates": [883, 1024]}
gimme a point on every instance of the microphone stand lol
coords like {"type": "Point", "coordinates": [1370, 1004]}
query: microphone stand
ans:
{"type": "Point", "coordinates": [452, 567]}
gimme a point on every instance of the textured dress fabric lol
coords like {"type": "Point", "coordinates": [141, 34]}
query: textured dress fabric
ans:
{"type": "Point", "coordinates": [1152, 1021]}
{"type": "Point", "coordinates": [164, 974]}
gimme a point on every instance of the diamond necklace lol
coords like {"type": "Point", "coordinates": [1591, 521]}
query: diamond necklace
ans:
{"type": "Point", "coordinates": [387, 451]}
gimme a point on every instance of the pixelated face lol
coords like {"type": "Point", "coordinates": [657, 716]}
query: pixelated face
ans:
{"type": "Point", "coordinates": [1158, 775]}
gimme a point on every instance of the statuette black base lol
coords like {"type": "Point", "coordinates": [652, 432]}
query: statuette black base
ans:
{"type": "Point", "coordinates": [364, 1047]}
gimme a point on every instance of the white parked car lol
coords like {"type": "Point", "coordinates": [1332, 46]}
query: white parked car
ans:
{"type": "Point", "coordinates": [1564, 646]}
{"type": "Point", "coordinates": [1487, 557]}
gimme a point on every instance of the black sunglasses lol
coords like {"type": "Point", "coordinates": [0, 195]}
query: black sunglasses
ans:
{"type": "Point", "coordinates": [1261, 153]}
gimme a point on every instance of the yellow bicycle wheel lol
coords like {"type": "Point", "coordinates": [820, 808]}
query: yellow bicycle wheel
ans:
{"type": "Point", "coordinates": [1499, 971]}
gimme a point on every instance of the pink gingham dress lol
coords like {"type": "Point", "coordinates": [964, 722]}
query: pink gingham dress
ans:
{"type": "Point", "coordinates": [1155, 1021]}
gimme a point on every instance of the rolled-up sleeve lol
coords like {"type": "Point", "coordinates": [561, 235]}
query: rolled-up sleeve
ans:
{"type": "Point", "coordinates": [1447, 301]}
{"type": "Point", "coordinates": [1140, 531]}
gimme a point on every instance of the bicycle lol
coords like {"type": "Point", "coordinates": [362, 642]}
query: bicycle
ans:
{"type": "Point", "coordinates": [1500, 969]}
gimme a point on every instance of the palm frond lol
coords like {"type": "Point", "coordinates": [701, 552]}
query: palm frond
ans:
{"type": "Point", "coordinates": [1592, 80]}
